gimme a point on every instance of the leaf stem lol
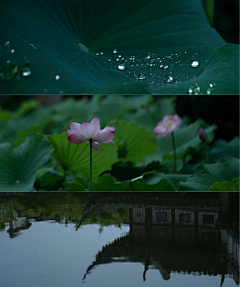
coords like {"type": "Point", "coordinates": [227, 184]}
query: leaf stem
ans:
{"type": "Point", "coordinates": [210, 10]}
{"type": "Point", "coordinates": [174, 153]}
{"type": "Point", "coordinates": [90, 177]}
{"type": "Point", "coordinates": [207, 159]}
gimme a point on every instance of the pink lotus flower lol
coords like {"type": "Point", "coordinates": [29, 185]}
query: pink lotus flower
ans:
{"type": "Point", "coordinates": [80, 133]}
{"type": "Point", "coordinates": [169, 124]}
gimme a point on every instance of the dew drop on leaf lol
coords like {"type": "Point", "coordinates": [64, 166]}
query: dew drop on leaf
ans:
{"type": "Point", "coordinates": [209, 90]}
{"type": "Point", "coordinates": [195, 64]}
{"type": "Point", "coordinates": [141, 77]}
{"type": "Point", "coordinates": [26, 71]}
{"type": "Point", "coordinates": [169, 79]}
{"type": "Point", "coordinates": [31, 45]}
{"type": "Point", "coordinates": [121, 67]}
{"type": "Point", "coordinates": [114, 51]}
{"type": "Point", "coordinates": [190, 90]}
{"type": "Point", "coordinates": [7, 44]}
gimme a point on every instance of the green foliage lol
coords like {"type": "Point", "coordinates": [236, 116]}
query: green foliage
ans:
{"type": "Point", "coordinates": [134, 143]}
{"type": "Point", "coordinates": [136, 160]}
{"type": "Point", "coordinates": [225, 169]}
{"type": "Point", "coordinates": [19, 165]}
{"type": "Point", "coordinates": [107, 183]}
{"type": "Point", "coordinates": [50, 180]}
{"type": "Point", "coordinates": [185, 138]}
{"type": "Point", "coordinates": [226, 186]}
{"type": "Point", "coordinates": [76, 39]}
{"type": "Point", "coordinates": [75, 158]}
{"type": "Point", "coordinates": [223, 146]}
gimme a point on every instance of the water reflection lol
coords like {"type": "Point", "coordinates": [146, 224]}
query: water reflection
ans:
{"type": "Point", "coordinates": [172, 233]}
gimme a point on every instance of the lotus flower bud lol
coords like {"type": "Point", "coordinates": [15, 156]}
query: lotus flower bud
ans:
{"type": "Point", "coordinates": [203, 135]}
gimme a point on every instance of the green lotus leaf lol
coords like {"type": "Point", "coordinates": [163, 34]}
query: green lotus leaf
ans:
{"type": "Point", "coordinates": [76, 184]}
{"type": "Point", "coordinates": [225, 169]}
{"type": "Point", "coordinates": [220, 77]}
{"type": "Point", "coordinates": [19, 165]}
{"type": "Point", "coordinates": [141, 185]}
{"type": "Point", "coordinates": [49, 180]}
{"type": "Point", "coordinates": [173, 179]}
{"type": "Point", "coordinates": [76, 158]}
{"type": "Point", "coordinates": [226, 185]}
{"type": "Point", "coordinates": [134, 142]}
{"type": "Point", "coordinates": [114, 47]}
{"type": "Point", "coordinates": [222, 146]}
{"type": "Point", "coordinates": [108, 183]}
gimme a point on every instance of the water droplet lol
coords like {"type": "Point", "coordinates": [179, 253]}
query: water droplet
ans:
{"type": "Point", "coordinates": [121, 67]}
{"type": "Point", "coordinates": [7, 44]}
{"type": "Point", "coordinates": [26, 72]}
{"type": "Point", "coordinates": [197, 89]}
{"type": "Point", "coordinates": [161, 66]}
{"type": "Point", "coordinates": [195, 64]}
{"type": "Point", "coordinates": [211, 85]}
{"type": "Point", "coordinates": [169, 79]}
{"type": "Point", "coordinates": [17, 181]}
{"type": "Point", "coordinates": [31, 45]}
{"type": "Point", "coordinates": [114, 51]}
{"type": "Point", "coordinates": [57, 77]}
{"type": "Point", "coordinates": [109, 59]}
{"type": "Point", "coordinates": [97, 54]}
{"type": "Point", "coordinates": [8, 61]}
{"type": "Point", "coordinates": [190, 90]}
{"type": "Point", "coordinates": [165, 67]}
{"type": "Point", "coordinates": [141, 77]}
{"type": "Point", "coordinates": [209, 90]}
{"type": "Point", "coordinates": [83, 47]}
{"type": "Point", "coordinates": [148, 57]}
{"type": "Point", "coordinates": [101, 53]}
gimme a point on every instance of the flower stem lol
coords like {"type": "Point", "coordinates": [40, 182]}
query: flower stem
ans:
{"type": "Point", "coordinates": [90, 177]}
{"type": "Point", "coordinates": [207, 159]}
{"type": "Point", "coordinates": [174, 153]}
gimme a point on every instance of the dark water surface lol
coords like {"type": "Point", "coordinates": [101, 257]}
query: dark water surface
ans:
{"type": "Point", "coordinates": [119, 240]}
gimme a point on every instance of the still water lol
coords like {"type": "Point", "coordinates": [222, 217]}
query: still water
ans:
{"type": "Point", "coordinates": [99, 240]}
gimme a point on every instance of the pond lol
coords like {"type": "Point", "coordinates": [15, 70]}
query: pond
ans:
{"type": "Point", "coordinates": [109, 239]}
